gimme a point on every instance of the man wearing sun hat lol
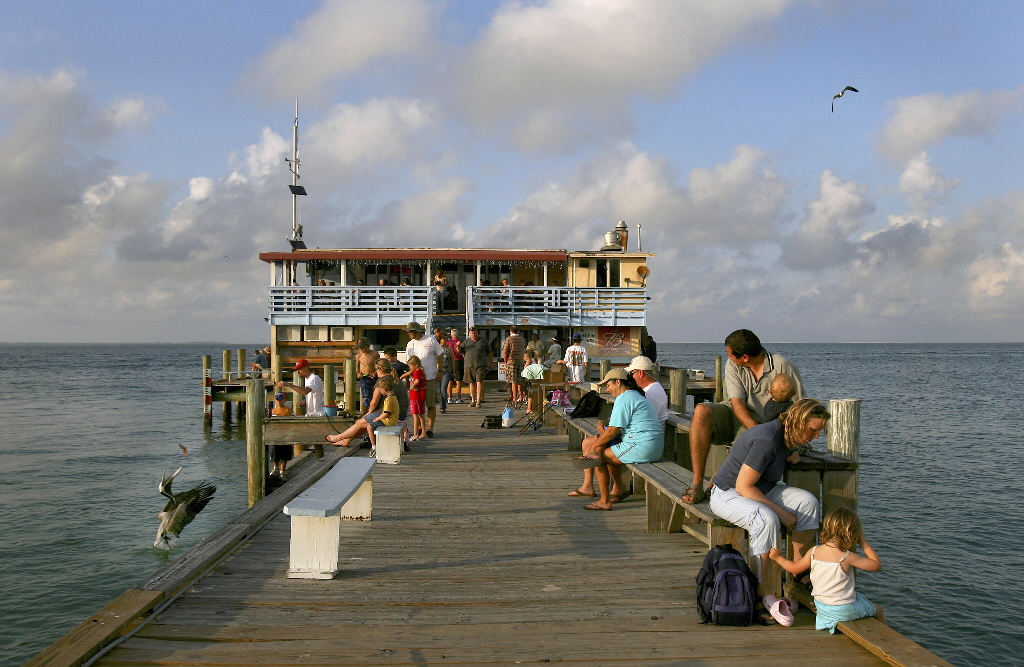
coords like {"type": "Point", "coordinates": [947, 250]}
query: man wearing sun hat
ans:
{"type": "Point", "coordinates": [633, 420]}
{"type": "Point", "coordinates": [313, 391]}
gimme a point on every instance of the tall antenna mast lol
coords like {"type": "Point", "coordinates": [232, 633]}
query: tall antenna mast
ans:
{"type": "Point", "coordinates": [296, 189]}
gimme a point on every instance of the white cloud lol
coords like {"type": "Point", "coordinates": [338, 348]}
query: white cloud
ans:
{"type": "Point", "coordinates": [822, 241]}
{"type": "Point", "coordinates": [132, 113]}
{"type": "Point", "coordinates": [558, 70]}
{"type": "Point", "coordinates": [999, 275]}
{"type": "Point", "coordinates": [338, 40]}
{"type": "Point", "coordinates": [730, 204]}
{"type": "Point", "coordinates": [922, 121]}
{"type": "Point", "coordinates": [379, 131]}
{"type": "Point", "coordinates": [922, 184]}
{"type": "Point", "coordinates": [428, 218]}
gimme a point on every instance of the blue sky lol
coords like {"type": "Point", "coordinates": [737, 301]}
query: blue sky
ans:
{"type": "Point", "coordinates": [144, 155]}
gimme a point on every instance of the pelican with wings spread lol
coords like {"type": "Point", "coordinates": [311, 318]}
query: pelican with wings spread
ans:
{"type": "Point", "coordinates": [180, 508]}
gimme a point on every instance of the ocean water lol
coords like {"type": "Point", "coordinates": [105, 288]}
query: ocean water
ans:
{"type": "Point", "coordinates": [88, 428]}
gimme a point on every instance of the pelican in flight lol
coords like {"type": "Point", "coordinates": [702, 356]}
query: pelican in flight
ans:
{"type": "Point", "coordinates": [841, 93]}
{"type": "Point", "coordinates": [181, 507]}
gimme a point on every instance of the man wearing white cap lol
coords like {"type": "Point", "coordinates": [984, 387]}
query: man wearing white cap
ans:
{"type": "Point", "coordinates": [641, 369]}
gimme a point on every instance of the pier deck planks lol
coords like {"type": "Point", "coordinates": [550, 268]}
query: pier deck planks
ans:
{"type": "Point", "coordinates": [474, 556]}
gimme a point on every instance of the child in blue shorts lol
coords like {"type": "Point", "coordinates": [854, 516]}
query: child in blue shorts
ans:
{"type": "Point", "coordinates": [832, 566]}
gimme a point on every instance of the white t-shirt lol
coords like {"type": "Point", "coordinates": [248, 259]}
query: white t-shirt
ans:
{"type": "Point", "coordinates": [655, 393]}
{"type": "Point", "coordinates": [315, 397]}
{"type": "Point", "coordinates": [575, 363]}
{"type": "Point", "coordinates": [428, 350]}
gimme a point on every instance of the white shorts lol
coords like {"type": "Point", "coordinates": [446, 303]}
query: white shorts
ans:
{"type": "Point", "coordinates": [761, 522]}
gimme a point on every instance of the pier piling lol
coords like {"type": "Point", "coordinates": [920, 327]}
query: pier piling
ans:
{"type": "Point", "coordinates": [256, 453]}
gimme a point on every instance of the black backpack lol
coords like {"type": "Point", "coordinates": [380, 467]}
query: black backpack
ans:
{"type": "Point", "coordinates": [589, 406]}
{"type": "Point", "coordinates": [726, 588]}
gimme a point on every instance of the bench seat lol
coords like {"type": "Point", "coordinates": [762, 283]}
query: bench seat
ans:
{"type": "Point", "coordinates": [664, 484]}
{"type": "Point", "coordinates": [346, 492]}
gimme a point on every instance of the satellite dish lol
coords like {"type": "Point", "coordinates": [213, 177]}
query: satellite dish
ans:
{"type": "Point", "coordinates": [643, 271]}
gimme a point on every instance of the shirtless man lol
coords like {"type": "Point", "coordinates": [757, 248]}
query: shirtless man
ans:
{"type": "Point", "coordinates": [366, 371]}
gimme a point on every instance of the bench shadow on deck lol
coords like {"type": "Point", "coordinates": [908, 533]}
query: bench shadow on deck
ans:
{"type": "Point", "coordinates": [474, 556]}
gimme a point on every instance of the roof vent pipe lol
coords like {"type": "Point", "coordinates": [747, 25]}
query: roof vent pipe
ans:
{"type": "Point", "coordinates": [623, 231]}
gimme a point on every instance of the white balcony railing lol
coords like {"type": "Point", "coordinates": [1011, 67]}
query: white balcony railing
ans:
{"type": "Point", "coordinates": [351, 305]}
{"type": "Point", "coordinates": [556, 306]}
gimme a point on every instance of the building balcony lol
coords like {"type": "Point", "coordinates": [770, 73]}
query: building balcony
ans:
{"type": "Point", "coordinates": [350, 305]}
{"type": "Point", "coordinates": [556, 306]}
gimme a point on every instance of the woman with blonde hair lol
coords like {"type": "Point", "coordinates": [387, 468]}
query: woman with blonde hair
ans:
{"type": "Point", "coordinates": [747, 490]}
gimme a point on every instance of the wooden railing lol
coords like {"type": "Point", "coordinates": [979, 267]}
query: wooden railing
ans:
{"type": "Point", "coordinates": [350, 305]}
{"type": "Point", "coordinates": [556, 306]}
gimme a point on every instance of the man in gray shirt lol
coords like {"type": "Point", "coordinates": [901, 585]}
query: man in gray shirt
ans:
{"type": "Point", "coordinates": [477, 361]}
{"type": "Point", "coordinates": [748, 376]}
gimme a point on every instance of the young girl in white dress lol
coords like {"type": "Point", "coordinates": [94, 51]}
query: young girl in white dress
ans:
{"type": "Point", "coordinates": [832, 566]}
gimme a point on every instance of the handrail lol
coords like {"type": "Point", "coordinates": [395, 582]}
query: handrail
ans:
{"type": "Point", "coordinates": [344, 304]}
{"type": "Point", "coordinates": [557, 306]}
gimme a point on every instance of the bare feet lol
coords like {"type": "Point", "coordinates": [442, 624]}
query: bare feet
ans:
{"type": "Point", "coordinates": [341, 442]}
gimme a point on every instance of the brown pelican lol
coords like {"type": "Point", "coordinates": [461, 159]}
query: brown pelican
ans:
{"type": "Point", "coordinates": [841, 92]}
{"type": "Point", "coordinates": [181, 508]}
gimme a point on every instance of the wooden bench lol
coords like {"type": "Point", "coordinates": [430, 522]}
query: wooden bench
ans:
{"type": "Point", "coordinates": [346, 492]}
{"type": "Point", "coordinates": [664, 483]}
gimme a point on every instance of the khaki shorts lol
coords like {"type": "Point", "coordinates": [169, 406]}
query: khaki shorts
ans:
{"type": "Point", "coordinates": [725, 427]}
{"type": "Point", "coordinates": [431, 400]}
{"type": "Point", "coordinates": [475, 374]}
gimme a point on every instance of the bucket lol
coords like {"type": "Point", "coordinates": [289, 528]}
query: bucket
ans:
{"type": "Point", "coordinates": [507, 417]}
{"type": "Point", "coordinates": [331, 411]}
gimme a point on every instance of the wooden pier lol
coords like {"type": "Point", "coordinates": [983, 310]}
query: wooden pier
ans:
{"type": "Point", "coordinates": [475, 555]}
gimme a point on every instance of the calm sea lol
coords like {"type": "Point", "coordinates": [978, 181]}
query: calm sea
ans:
{"type": "Point", "coordinates": [87, 429]}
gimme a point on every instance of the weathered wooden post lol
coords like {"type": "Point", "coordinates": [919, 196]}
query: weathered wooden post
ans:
{"type": "Point", "coordinates": [351, 388]}
{"type": "Point", "coordinates": [207, 387]}
{"type": "Point", "coordinates": [241, 378]}
{"type": "Point", "coordinates": [330, 385]}
{"type": "Point", "coordinates": [298, 396]}
{"type": "Point", "coordinates": [719, 380]}
{"type": "Point", "coordinates": [839, 487]}
{"type": "Point", "coordinates": [677, 390]}
{"type": "Point", "coordinates": [275, 369]}
{"type": "Point", "coordinates": [225, 358]}
{"type": "Point", "coordinates": [606, 365]}
{"type": "Point", "coordinates": [256, 453]}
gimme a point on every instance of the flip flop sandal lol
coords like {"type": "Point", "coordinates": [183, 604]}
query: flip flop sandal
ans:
{"type": "Point", "coordinates": [575, 493]}
{"type": "Point", "coordinates": [595, 506]}
{"type": "Point", "coordinates": [619, 497]}
{"type": "Point", "coordinates": [696, 492]}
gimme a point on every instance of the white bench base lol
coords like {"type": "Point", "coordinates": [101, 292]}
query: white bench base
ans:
{"type": "Point", "coordinates": [389, 441]}
{"type": "Point", "coordinates": [344, 493]}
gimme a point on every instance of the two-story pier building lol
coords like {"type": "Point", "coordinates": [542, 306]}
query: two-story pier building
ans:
{"type": "Point", "coordinates": [321, 302]}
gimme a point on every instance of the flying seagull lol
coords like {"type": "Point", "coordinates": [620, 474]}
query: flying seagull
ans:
{"type": "Point", "coordinates": [181, 508]}
{"type": "Point", "coordinates": [836, 97]}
